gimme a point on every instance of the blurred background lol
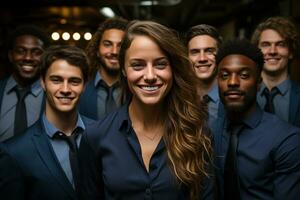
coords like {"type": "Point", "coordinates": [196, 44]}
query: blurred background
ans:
{"type": "Point", "coordinates": [74, 21]}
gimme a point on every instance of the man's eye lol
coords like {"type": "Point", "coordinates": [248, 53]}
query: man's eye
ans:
{"type": "Point", "coordinates": [244, 75]}
{"type": "Point", "coordinates": [223, 75]}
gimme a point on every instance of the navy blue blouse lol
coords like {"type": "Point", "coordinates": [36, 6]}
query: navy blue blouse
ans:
{"type": "Point", "coordinates": [115, 168]}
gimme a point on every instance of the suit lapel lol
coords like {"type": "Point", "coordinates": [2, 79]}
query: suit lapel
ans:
{"type": "Point", "coordinates": [294, 102]}
{"type": "Point", "coordinates": [47, 155]}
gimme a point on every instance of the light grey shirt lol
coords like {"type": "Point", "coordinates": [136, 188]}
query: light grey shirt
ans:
{"type": "Point", "coordinates": [61, 147]}
{"type": "Point", "coordinates": [102, 95]}
{"type": "Point", "coordinates": [280, 101]}
{"type": "Point", "coordinates": [33, 102]}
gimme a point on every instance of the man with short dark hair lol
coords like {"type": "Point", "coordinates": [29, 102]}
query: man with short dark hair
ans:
{"type": "Point", "coordinates": [257, 153]}
{"type": "Point", "coordinates": [21, 96]}
{"type": "Point", "coordinates": [42, 163]}
{"type": "Point", "coordinates": [203, 42]}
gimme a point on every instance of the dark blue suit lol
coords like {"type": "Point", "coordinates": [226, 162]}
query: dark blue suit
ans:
{"type": "Point", "coordinates": [29, 169]}
{"type": "Point", "coordinates": [88, 101]}
{"type": "Point", "coordinates": [267, 156]}
{"type": "Point", "coordinates": [294, 110]}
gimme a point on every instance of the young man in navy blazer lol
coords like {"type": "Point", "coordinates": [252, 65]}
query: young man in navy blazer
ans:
{"type": "Point", "coordinates": [36, 165]}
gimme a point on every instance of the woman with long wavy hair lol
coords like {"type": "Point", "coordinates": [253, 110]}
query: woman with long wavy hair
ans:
{"type": "Point", "coordinates": [157, 145]}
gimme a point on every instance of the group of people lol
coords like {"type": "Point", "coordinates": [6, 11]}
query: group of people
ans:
{"type": "Point", "coordinates": [145, 114]}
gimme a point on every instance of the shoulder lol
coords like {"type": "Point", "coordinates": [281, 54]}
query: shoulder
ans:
{"type": "Point", "coordinates": [19, 144]}
{"type": "Point", "coordinates": [87, 121]}
{"type": "Point", "coordinates": [295, 86]}
{"type": "Point", "coordinates": [108, 124]}
{"type": "Point", "coordinates": [277, 127]}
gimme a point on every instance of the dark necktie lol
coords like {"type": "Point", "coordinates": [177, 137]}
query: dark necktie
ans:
{"type": "Point", "coordinates": [269, 107]}
{"type": "Point", "coordinates": [73, 156]}
{"type": "Point", "coordinates": [110, 104]}
{"type": "Point", "coordinates": [20, 123]}
{"type": "Point", "coordinates": [231, 177]}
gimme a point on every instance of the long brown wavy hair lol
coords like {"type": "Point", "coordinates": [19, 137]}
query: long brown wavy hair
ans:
{"type": "Point", "coordinates": [188, 144]}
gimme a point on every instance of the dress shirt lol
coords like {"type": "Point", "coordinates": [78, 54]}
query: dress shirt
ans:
{"type": "Point", "coordinates": [60, 146]}
{"type": "Point", "coordinates": [102, 95]}
{"type": "Point", "coordinates": [33, 102]}
{"type": "Point", "coordinates": [120, 172]}
{"type": "Point", "coordinates": [213, 104]}
{"type": "Point", "coordinates": [281, 101]}
{"type": "Point", "coordinates": [267, 157]}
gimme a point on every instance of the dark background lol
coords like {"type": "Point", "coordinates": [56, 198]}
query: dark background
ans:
{"type": "Point", "coordinates": [233, 18]}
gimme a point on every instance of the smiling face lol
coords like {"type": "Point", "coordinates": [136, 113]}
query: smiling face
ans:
{"type": "Point", "coordinates": [202, 52]}
{"type": "Point", "coordinates": [109, 49]}
{"type": "Point", "coordinates": [26, 59]}
{"type": "Point", "coordinates": [238, 82]}
{"type": "Point", "coordinates": [148, 71]}
{"type": "Point", "coordinates": [63, 85]}
{"type": "Point", "coordinates": [276, 52]}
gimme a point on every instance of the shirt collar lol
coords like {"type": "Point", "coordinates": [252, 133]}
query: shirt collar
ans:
{"type": "Point", "coordinates": [252, 120]}
{"type": "Point", "coordinates": [255, 117]}
{"type": "Point", "coordinates": [283, 87]}
{"type": "Point", "coordinates": [98, 79]}
{"type": "Point", "coordinates": [35, 89]}
{"type": "Point", "coordinates": [124, 120]}
{"type": "Point", "coordinates": [214, 93]}
{"type": "Point", "coordinates": [51, 130]}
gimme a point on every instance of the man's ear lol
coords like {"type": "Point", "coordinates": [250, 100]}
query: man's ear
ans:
{"type": "Point", "coordinates": [291, 56]}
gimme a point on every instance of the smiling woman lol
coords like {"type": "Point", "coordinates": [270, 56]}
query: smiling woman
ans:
{"type": "Point", "coordinates": [157, 145]}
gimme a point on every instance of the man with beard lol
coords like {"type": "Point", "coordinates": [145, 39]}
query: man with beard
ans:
{"type": "Point", "coordinates": [102, 92]}
{"type": "Point", "coordinates": [278, 39]}
{"type": "Point", "coordinates": [203, 42]}
{"type": "Point", "coordinates": [257, 153]}
{"type": "Point", "coordinates": [17, 111]}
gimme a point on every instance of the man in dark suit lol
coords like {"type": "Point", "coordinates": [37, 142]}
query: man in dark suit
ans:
{"type": "Point", "coordinates": [26, 45]}
{"type": "Point", "coordinates": [102, 93]}
{"type": "Point", "coordinates": [257, 153]}
{"type": "Point", "coordinates": [278, 39]}
{"type": "Point", "coordinates": [41, 163]}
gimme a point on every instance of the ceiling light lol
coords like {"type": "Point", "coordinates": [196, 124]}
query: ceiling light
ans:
{"type": "Point", "coordinates": [107, 12]}
{"type": "Point", "coordinates": [55, 36]}
{"type": "Point", "coordinates": [66, 36]}
{"type": "Point", "coordinates": [87, 36]}
{"type": "Point", "coordinates": [76, 36]}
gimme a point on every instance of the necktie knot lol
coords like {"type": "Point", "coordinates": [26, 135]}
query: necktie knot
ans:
{"type": "Point", "coordinates": [269, 95]}
{"type": "Point", "coordinates": [110, 103]}
{"type": "Point", "coordinates": [22, 92]}
{"type": "Point", "coordinates": [71, 140]}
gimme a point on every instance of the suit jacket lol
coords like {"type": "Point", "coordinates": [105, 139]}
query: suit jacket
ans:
{"type": "Point", "coordinates": [88, 101]}
{"type": "Point", "coordinates": [29, 168]}
{"type": "Point", "coordinates": [294, 110]}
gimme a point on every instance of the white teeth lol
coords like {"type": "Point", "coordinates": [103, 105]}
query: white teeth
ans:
{"type": "Point", "coordinates": [27, 67]}
{"type": "Point", "coordinates": [150, 88]}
